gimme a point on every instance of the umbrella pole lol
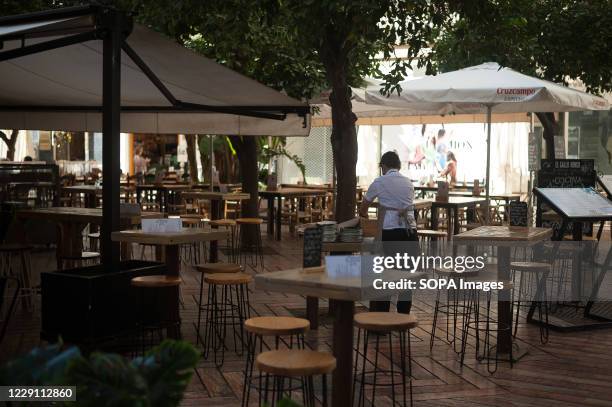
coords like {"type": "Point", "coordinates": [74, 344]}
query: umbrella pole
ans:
{"type": "Point", "coordinates": [212, 165]}
{"type": "Point", "coordinates": [488, 184]}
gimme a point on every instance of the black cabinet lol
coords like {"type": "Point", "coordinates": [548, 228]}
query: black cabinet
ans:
{"type": "Point", "coordinates": [90, 304]}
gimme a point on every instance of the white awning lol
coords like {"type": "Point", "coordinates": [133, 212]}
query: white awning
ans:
{"type": "Point", "coordinates": [61, 89]}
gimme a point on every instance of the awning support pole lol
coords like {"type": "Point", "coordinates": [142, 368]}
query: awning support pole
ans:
{"type": "Point", "coordinates": [212, 164]}
{"type": "Point", "coordinates": [111, 114]}
{"type": "Point", "coordinates": [488, 180]}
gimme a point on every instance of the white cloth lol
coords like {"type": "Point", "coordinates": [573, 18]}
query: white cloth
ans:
{"type": "Point", "coordinates": [394, 192]}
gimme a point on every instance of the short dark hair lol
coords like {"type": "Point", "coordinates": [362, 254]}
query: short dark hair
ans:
{"type": "Point", "coordinates": [391, 159]}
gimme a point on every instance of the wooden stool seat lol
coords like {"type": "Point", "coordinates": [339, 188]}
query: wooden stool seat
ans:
{"type": "Point", "coordinates": [431, 233]}
{"type": "Point", "coordinates": [455, 273]}
{"type": "Point", "coordinates": [385, 321]}
{"type": "Point", "coordinates": [276, 326]}
{"type": "Point", "coordinates": [295, 362]}
{"type": "Point", "coordinates": [228, 279]}
{"type": "Point", "coordinates": [214, 268]}
{"type": "Point", "coordinates": [530, 266]}
{"type": "Point", "coordinates": [249, 221]}
{"type": "Point", "coordinates": [223, 222]}
{"type": "Point", "coordinates": [156, 281]}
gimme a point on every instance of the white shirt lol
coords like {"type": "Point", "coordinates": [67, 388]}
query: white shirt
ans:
{"type": "Point", "coordinates": [395, 191]}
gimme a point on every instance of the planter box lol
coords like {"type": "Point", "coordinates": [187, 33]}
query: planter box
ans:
{"type": "Point", "coordinates": [88, 304]}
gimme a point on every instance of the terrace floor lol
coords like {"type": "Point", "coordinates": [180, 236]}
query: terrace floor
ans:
{"type": "Point", "coordinates": [572, 369]}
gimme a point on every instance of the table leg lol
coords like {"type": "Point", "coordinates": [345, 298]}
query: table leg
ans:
{"type": "Point", "coordinates": [342, 378]}
{"type": "Point", "coordinates": [504, 309]}
{"type": "Point", "coordinates": [456, 225]}
{"type": "Point", "coordinates": [213, 255]}
{"type": "Point", "coordinates": [312, 311]}
{"type": "Point", "coordinates": [434, 217]}
{"type": "Point", "coordinates": [279, 218]}
{"type": "Point", "coordinates": [173, 264]}
{"type": "Point", "coordinates": [69, 242]}
{"type": "Point", "coordinates": [271, 216]}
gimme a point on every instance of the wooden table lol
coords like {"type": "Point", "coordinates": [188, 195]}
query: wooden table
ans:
{"type": "Point", "coordinates": [275, 216]}
{"type": "Point", "coordinates": [452, 207]}
{"type": "Point", "coordinates": [91, 192]}
{"type": "Point", "coordinates": [165, 193]}
{"type": "Point", "coordinates": [505, 238]}
{"type": "Point", "coordinates": [71, 221]}
{"type": "Point", "coordinates": [424, 189]}
{"type": "Point", "coordinates": [171, 242]}
{"type": "Point", "coordinates": [342, 294]}
{"type": "Point", "coordinates": [217, 200]}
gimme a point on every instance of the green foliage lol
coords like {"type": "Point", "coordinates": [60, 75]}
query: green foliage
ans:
{"type": "Point", "coordinates": [102, 379]}
{"type": "Point", "coordinates": [276, 149]}
{"type": "Point", "coordinates": [556, 40]}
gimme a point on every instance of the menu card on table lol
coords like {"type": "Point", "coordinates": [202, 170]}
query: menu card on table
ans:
{"type": "Point", "coordinates": [171, 225]}
{"type": "Point", "coordinates": [518, 213]}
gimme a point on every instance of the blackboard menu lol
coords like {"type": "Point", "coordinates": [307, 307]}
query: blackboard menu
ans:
{"type": "Point", "coordinates": [519, 213]}
{"type": "Point", "coordinates": [567, 174]}
{"type": "Point", "coordinates": [313, 241]}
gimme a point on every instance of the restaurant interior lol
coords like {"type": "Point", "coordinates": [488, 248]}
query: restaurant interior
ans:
{"type": "Point", "coordinates": [134, 255]}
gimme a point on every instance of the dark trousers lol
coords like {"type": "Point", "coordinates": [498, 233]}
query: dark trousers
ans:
{"type": "Point", "coordinates": [395, 235]}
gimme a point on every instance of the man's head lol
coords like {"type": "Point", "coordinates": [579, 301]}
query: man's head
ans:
{"type": "Point", "coordinates": [390, 160]}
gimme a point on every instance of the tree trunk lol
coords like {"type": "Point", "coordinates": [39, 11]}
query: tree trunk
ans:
{"type": "Point", "coordinates": [551, 130]}
{"type": "Point", "coordinates": [246, 149]}
{"type": "Point", "coordinates": [191, 157]}
{"type": "Point", "coordinates": [10, 142]}
{"type": "Point", "coordinates": [344, 146]}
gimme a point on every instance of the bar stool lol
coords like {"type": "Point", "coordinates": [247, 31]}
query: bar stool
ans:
{"type": "Point", "coordinates": [227, 307]}
{"type": "Point", "coordinates": [15, 263]}
{"type": "Point", "coordinates": [485, 324]}
{"type": "Point", "coordinates": [379, 325]}
{"type": "Point", "coordinates": [153, 316]}
{"type": "Point", "coordinates": [433, 242]}
{"type": "Point", "coordinates": [295, 364]}
{"type": "Point", "coordinates": [529, 274]}
{"type": "Point", "coordinates": [257, 247]}
{"type": "Point", "coordinates": [228, 224]}
{"type": "Point", "coordinates": [211, 268]}
{"type": "Point", "coordinates": [456, 308]}
{"type": "Point", "coordinates": [289, 329]}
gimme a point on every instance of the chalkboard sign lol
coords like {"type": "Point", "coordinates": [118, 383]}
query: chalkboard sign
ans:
{"type": "Point", "coordinates": [567, 174]}
{"type": "Point", "coordinates": [519, 213]}
{"type": "Point", "coordinates": [313, 241]}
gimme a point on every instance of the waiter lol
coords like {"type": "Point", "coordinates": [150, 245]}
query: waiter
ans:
{"type": "Point", "coordinates": [396, 220]}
